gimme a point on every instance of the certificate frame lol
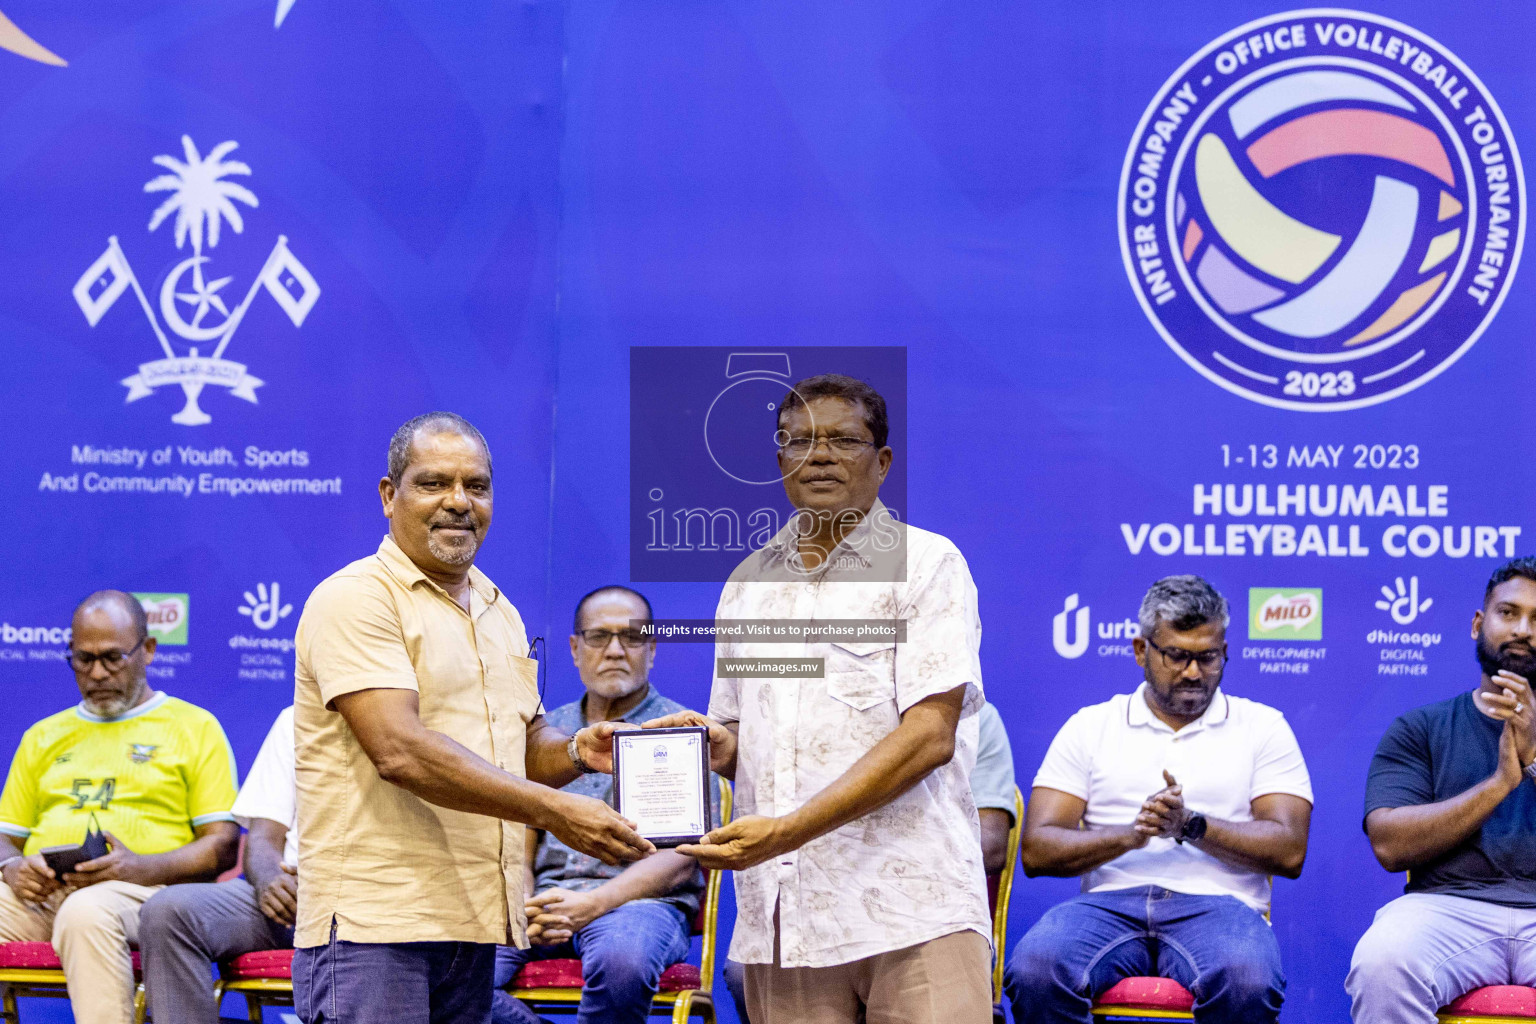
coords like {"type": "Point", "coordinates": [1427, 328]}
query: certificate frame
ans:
{"type": "Point", "coordinates": [624, 744]}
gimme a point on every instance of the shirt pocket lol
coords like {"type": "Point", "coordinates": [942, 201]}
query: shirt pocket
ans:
{"type": "Point", "coordinates": [525, 681]}
{"type": "Point", "coordinates": [861, 675]}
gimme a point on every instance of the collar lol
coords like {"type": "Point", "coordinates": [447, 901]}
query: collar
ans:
{"type": "Point", "coordinates": [409, 573]}
{"type": "Point", "coordinates": [159, 698]}
{"type": "Point", "coordinates": [851, 552]}
{"type": "Point", "coordinates": [1139, 714]}
{"type": "Point", "coordinates": [642, 712]}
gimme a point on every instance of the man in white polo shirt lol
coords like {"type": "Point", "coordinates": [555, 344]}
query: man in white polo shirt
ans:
{"type": "Point", "coordinates": [184, 927]}
{"type": "Point", "coordinates": [1175, 804]}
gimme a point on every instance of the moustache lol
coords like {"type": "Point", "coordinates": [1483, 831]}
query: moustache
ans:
{"type": "Point", "coordinates": [465, 523]}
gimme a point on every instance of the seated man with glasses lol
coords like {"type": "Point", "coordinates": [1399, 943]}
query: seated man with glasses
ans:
{"type": "Point", "coordinates": [628, 922]}
{"type": "Point", "coordinates": [156, 774]}
{"type": "Point", "coordinates": [1175, 803]}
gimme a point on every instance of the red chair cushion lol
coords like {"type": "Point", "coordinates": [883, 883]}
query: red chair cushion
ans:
{"type": "Point", "coordinates": [567, 974]}
{"type": "Point", "coordinates": [679, 978]}
{"type": "Point", "coordinates": [37, 956]}
{"type": "Point", "coordinates": [264, 963]}
{"type": "Point", "coordinates": [1147, 994]}
{"type": "Point", "coordinates": [1497, 1001]}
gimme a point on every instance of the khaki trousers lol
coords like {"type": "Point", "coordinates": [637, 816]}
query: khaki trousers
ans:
{"type": "Point", "coordinates": [948, 979]}
{"type": "Point", "coordinates": [90, 929]}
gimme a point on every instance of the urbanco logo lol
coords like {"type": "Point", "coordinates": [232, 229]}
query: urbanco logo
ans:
{"type": "Point", "coordinates": [203, 199]}
{"type": "Point", "coordinates": [1403, 604]}
{"type": "Point", "coordinates": [265, 608]}
{"type": "Point", "coordinates": [1075, 643]}
{"type": "Point", "coordinates": [1285, 613]}
{"type": "Point", "coordinates": [1322, 210]}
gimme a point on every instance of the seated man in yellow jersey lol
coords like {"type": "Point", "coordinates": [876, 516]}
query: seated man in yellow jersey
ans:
{"type": "Point", "coordinates": [154, 771]}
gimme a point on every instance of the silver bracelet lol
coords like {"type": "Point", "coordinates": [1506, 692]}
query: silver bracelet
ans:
{"type": "Point", "coordinates": [1529, 770]}
{"type": "Point", "coordinates": [575, 756]}
{"type": "Point", "coordinates": [11, 860]}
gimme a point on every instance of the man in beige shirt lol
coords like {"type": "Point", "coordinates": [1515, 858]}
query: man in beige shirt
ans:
{"type": "Point", "coordinates": [421, 751]}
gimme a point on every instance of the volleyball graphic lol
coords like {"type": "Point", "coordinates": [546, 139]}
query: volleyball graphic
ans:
{"type": "Point", "coordinates": [1322, 210]}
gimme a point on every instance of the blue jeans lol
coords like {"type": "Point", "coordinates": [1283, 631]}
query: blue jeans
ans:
{"type": "Point", "coordinates": [1218, 947]}
{"type": "Point", "coordinates": [622, 956]}
{"type": "Point", "coordinates": [402, 982]}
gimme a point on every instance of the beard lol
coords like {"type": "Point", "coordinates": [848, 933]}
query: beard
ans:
{"type": "Point", "coordinates": [454, 554]}
{"type": "Point", "coordinates": [115, 707]}
{"type": "Point", "coordinates": [1521, 660]}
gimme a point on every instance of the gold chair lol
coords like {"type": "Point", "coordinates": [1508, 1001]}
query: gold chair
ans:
{"type": "Point", "coordinates": [32, 969]}
{"type": "Point", "coordinates": [1000, 888]}
{"type": "Point", "coordinates": [685, 990]}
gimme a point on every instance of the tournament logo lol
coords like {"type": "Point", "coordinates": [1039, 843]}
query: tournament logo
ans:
{"type": "Point", "coordinates": [192, 302]}
{"type": "Point", "coordinates": [1322, 210]}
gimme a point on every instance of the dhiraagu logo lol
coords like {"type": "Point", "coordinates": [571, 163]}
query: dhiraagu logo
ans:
{"type": "Point", "coordinates": [1285, 613]}
{"type": "Point", "coordinates": [167, 615]}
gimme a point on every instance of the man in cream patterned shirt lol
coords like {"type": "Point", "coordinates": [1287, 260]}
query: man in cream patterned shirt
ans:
{"type": "Point", "coordinates": [856, 844]}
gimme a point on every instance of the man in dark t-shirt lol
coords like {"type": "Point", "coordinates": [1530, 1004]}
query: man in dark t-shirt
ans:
{"type": "Point", "coordinates": [1451, 800]}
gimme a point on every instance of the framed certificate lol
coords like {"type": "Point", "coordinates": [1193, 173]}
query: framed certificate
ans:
{"type": "Point", "coordinates": [661, 782]}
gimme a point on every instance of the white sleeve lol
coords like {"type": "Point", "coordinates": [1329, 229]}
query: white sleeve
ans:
{"type": "Point", "coordinates": [943, 648]}
{"type": "Point", "coordinates": [1278, 766]}
{"type": "Point", "coordinates": [725, 691]}
{"type": "Point", "coordinates": [269, 788]}
{"type": "Point", "coordinates": [1068, 762]}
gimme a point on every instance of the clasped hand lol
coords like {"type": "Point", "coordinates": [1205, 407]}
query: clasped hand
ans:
{"type": "Point", "coordinates": [1512, 706]}
{"type": "Point", "coordinates": [555, 915]}
{"type": "Point", "coordinates": [1163, 815]}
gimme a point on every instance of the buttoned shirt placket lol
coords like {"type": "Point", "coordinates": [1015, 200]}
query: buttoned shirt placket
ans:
{"type": "Point", "coordinates": [787, 699]}
{"type": "Point", "coordinates": [512, 874]}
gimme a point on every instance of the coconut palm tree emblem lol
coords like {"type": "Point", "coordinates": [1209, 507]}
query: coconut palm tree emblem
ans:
{"type": "Point", "coordinates": [202, 200]}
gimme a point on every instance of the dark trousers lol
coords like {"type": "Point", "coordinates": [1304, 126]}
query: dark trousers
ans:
{"type": "Point", "coordinates": [623, 954]}
{"type": "Point", "coordinates": [394, 983]}
{"type": "Point", "coordinates": [184, 927]}
{"type": "Point", "coordinates": [1218, 947]}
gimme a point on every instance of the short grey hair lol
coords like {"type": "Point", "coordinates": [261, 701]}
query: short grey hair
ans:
{"type": "Point", "coordinates": [432, 423]}
{"type": "Point", "coordinates": [1184, 602]}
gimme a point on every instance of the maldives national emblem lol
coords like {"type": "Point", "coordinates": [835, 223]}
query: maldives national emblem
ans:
{"type": "Point", "coordinates": [190, 303]}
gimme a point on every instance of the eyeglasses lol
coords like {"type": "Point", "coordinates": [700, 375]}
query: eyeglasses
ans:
{"type": "Point", "coordinates": [599, 639]}
{"type": "Point", "coordinates": [1178, 659]}
{"type": "Point", "coordinates": [842, 447]}
{"type": "Point", "coordinates": [110, 660]}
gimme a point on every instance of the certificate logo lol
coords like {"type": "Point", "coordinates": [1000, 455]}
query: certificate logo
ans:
{"type": "Point", "coordinates": [197, 310]}
{"type": "Point", "coordinates": [1285, 613]}
{"type": "Point", "coordinates": [1322, 210]}
{"type": "Point", "coordinates": [168, 615]}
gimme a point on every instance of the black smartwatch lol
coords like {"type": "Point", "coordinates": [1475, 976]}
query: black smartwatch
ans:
{"type": "Point", "coordinates": [1193, 830]}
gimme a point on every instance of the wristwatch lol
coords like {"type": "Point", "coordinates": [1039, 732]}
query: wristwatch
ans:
{"type": "Point", "coordinates": [1193, 831]}
{"type": "Point", "coordinates": [1530, 773]}
{"type": "Point", "coordinates": [575, 756]}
